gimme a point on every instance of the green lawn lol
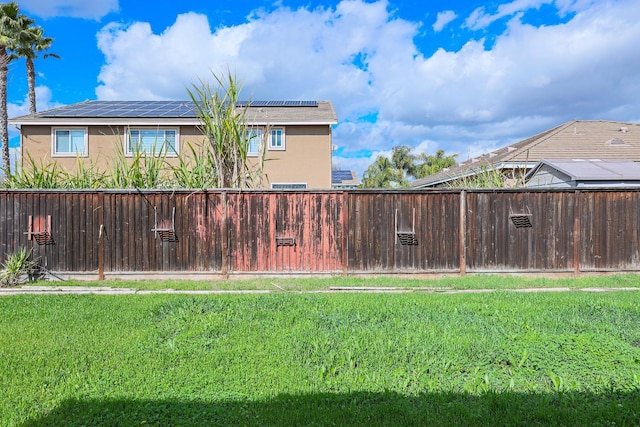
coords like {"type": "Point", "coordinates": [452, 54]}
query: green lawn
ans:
{"type": "Point", "coordinates": [321, 359]}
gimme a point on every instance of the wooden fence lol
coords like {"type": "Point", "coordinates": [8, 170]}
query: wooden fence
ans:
{"type": "Point", "coordinates": [334, 232]}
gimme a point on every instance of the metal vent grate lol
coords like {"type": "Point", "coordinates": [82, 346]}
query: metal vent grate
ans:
{"type": "Point", "coordinates": [407, 238]}
{"type": "Point", "coordinates": [521, 220]}
{"type": "Point", "coordinates": [285, 241]}
{"type": "Point", "coordinates": [43, 238]}
{"type": "Point", "coordinates": [39, 229]}
{"type": "Point", "coordinates": [166, 235]}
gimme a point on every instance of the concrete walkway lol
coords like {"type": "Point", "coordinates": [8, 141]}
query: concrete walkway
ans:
{"type": "Point", "coordinates": [100, 290]}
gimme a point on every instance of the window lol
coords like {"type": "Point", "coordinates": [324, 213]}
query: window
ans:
{"type": "Point", "coordinates": [289, 186]}
{"type": "Point", "coordinates": [255, 141]}
{"type": "Point", "coordinates": [70, 142]}
{"type": "Point", "coordinates": [153, 141]}
{"type": "Point", "coordinates": [276, 139]}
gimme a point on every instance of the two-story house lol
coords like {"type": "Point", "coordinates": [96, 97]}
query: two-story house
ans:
{"type": "Point", "coordinates": [297, 151]}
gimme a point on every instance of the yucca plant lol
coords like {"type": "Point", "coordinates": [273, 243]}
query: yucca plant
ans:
{"type": "Point", "coordinates": [17, 268]}
{"type": "Point", "coordinates": [224, 125]}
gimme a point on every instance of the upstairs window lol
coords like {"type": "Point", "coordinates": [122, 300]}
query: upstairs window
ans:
{"type": "Point", "coordinates": [70, 142]}
{"type": "Point", "coordinates": [255, 141]}
{"type": "Point", "coordinates": [152, 141]}
{"type": "Point", "coordinates": [276, 139]}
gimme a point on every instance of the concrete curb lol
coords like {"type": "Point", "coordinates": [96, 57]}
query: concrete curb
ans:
{"type": "Point", "coordinates": [98, 290]}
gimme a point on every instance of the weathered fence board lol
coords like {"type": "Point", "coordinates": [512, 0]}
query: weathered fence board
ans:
{"type": "Point", "coordinates": [610, 230]}
{"type": "Point", "coordinates": [281, 232]}
{"type": "Point", "coordinates": [360, 231]}
{"type": "Point", "coordinates": [494, 242]}
{"type": "Point", "coordinates": [427, 221]}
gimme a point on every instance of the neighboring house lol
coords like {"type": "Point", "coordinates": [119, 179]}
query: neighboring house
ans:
{"type": "Point", "coordinates": [597, 139]}
{"type": "Point", "coordinates": [344, 179]}
{"type": "Point", "coordinates": [584, 173]}
{"type": "Point", "coordinates": [298, 147]}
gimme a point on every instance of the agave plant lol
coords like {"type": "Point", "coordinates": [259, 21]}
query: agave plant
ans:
{"type": "Point", "coordinates": [17, 268]}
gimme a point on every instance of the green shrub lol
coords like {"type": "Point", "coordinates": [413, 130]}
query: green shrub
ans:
{"type": "Point", "coordinates": [17, 268]}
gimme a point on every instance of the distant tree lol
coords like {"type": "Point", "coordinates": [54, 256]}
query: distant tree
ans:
{"type": "Point", "coordinates": [383, 173]}
{"type": "Point", "coordinates": [12, 28]}
{"type": "Point", "coordinates": [29, 46]}
{"type": "Point", "coordinates": [397, 171]}
{"type": "Point", "coordinates": [428, 164]}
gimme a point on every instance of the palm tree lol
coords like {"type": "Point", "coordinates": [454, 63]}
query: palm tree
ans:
{"type": "Point", "coordinates": [384, 173]}
{"type": "Point", "coordinates": [428, 164]}
{"type": "Point", "coordinates": [12, 27]}
{"type": "Point", "coordinates": [33, 42]}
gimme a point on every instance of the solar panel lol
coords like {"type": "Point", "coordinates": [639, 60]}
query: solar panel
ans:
{"type": "Point", "coordinates": [106, 109]}
{"type": "Point", "coordinates": [339, 176]}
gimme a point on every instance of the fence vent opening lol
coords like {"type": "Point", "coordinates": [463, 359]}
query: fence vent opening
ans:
{"type": "Point", "coordinates": [164, 230]}
{"type": "Point", "coordinates": [285, 241]}
{"type": "Point", "coordinates": [39, 230]}
{"type": "Point", "coordinates": [407, 237]}
{"type": "Point", "coordinates": [521, 220]}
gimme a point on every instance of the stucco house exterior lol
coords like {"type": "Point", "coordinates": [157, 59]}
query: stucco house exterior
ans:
{"type": "Point", "coordinates": [297, 154]}
{"type": "Point", "coordinates": [584, 139]}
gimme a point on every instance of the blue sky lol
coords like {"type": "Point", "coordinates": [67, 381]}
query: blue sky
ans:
{"type": "Point", "coordinates": [463, 76]}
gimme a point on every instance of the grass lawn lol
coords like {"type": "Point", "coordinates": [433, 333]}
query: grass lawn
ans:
{"type": "Point", "coordinates": [321, 359]}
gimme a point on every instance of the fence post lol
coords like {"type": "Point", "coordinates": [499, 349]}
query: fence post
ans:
{"type": "Point", "coordinates": [101, 253]}
{"type": "Point", "coordinates": [462, 237]}
{"type": "Point", "coordinates": [345, 235]}
{"type": "Point", "coordinates": [224, 238]}
{"type": "Point", "coordinates": [576, 234]}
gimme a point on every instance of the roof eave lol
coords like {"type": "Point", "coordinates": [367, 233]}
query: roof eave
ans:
{"type": "Point", "coordinates": [164, 121]}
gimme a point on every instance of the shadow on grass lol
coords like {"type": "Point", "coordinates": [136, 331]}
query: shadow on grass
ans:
{"type": "Point", "coordinates": [359, 409]}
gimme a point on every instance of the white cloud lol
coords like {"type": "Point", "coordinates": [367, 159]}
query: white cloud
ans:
{"type": "Point", "coordinates": [365, 59]}
{"type": "Point", "coordinates": [44, 101]}
{"type": "Point", "coordinates": [443, 19]}
{"type": "Point", "coordinates": [480, 19]}
{"type": "Point", "coordinates": [88, 9]}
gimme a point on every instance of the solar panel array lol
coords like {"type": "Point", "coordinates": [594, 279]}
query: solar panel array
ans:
{"type": "Point", "coordinates": [151, 108]}
{"type": "Point", "coordinates": [125, 109]}
{"type": "Point", "coordinates": [338, 176]}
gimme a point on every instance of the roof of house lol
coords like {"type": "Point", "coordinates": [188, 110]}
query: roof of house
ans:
{"type": "Point", "coordinates": [592, 169]}
{"type": "Point", "coordinates": [579, 138]}
{"type": "Point", "coordinates": [178, 112]}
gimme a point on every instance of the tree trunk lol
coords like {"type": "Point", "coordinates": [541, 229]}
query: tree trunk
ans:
{"type": "Point", "coordinates": [31, 79]}
{"type": "Point", "coordinates": [4, 126]}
